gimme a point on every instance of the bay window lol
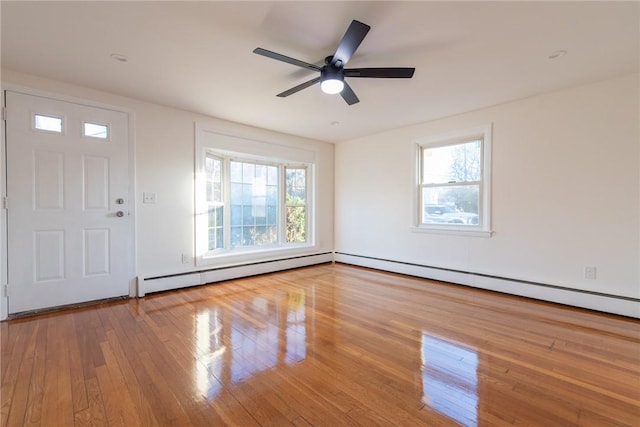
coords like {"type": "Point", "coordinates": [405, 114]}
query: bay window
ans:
{"type": "Point", "coordinates": [252, 201]}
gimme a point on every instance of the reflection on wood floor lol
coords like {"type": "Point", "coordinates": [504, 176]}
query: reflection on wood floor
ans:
{"type": "Point", "coordinates": [326, 345]}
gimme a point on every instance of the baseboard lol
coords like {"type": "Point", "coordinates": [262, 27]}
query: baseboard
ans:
{"type": "Point", "coordinates": [613, 304]}
{"type": "Point", "coordinates": [183, 280]}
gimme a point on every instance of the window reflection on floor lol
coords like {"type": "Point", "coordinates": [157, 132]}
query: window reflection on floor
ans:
{"type": "Point", "coordinates": [235, 344]}
{"type": "Point", "coordinates": [449, 379]}
{"type": "Point", "coordinates": [254, 344]}
{"type": "Point", "coordinates": [210, 352]}
{"type": "Point", "coordinates": [296, 328]}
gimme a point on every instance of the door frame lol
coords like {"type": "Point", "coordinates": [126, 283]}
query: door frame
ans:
{"type": "Point", "coordinates": [4, 241]}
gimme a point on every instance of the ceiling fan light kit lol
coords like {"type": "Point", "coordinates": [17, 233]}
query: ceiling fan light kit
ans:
{"type": "Point", "coordinates": [331, 82]}
{"type": "Point", "coordinates": [332, 74]}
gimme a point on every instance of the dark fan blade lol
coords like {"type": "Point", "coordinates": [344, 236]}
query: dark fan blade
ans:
{"type": "Point", "coordinates": [299, 87]}
{"type": "Point", "coordinates": [349, 95]}
{"type": "Point", "coordinates": [387, 73]}
{"type": "Point", "coordinates": [349, 43]}
{"type": "Point", "coordinates": [283, 58]}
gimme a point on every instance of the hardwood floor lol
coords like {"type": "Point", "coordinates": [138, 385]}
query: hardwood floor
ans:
{"type": "Point", "coordinates": [327, 345]}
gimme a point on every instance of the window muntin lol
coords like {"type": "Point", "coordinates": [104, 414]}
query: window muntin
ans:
{"type": "Point", "coordinates": [453, 181]}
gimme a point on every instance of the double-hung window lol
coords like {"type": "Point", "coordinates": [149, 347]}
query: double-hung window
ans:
{"type": "Point", "coordinates": [453, 177]}
{"type": "Point", "coordinates": [250, 202]}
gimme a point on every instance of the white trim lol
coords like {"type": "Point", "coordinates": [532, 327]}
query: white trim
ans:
{"type": "Point", "coordinates": [4, 301]}
{"type": "Point", "coordinates": [167, 283]}
{"type": "Point", "coordinates": [564, 296]}
{"type": "Point", "coordinates": [452, 230]}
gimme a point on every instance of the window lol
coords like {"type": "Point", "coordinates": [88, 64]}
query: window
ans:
{"type": "Point", "coordinates": [95, 130]}
{"type": "Point", "coordinates": [453, 182]}
{"type": "Point", "coordinates": [295, 204]}
{"type": "Point", "coordinates": [215, 205]}
{"type": "Point", "coordinates": [253, 201]}
{"type": "Point", "coordinates": [254, 204]}
{"type": "Point", "coordinates": [47, 123]}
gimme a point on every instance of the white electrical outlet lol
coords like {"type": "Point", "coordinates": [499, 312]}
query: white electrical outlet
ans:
{"type": "Point", "coordinates": [149, 198]}
{"type": "Point", "coordinates": [186, 259]}
{"type": "Point", "coordinates": [590, 273]}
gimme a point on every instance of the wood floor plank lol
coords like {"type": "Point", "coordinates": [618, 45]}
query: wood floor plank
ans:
{"type": "Point", "coordinates": [330, 345]}
{"type": "Point", "coordinates": [123, 374]}
{"type": "Point", "coordinates": [95, 414]}
{"type": "Point", "coordinates": [58, 397]}
{"type": "Point", "coordinates": [33, 415]}
{"type": "Point", "coordinates": [15, 388]}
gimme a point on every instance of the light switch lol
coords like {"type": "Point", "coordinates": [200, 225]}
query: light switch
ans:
{"type": "Point", "coordinates": [148, 198]}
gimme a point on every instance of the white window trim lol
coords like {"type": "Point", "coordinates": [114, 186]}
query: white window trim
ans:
{"type": "Point", "coordinates": [229, 146]}
{"type": "Point", "coordinates": [484, 228]}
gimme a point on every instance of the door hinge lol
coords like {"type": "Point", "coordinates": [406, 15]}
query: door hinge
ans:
{"type": "Point", "coordinates": [5, 203]}
{"type": "Point", "coordinates": [4, 113]}
{"type": "Point", "coordinates": [5, 291]}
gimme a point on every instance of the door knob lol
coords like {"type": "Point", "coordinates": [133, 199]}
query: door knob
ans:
{"type": "Point", "coordinates": [120, 214]}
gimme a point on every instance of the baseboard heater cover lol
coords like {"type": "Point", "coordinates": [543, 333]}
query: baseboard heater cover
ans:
{"type": "Point", "coordinates": [624, 306]}
{"type": "Point", "coordinates": [227, 272]}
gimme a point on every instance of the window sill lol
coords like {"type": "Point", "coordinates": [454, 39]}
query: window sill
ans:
{"type": "Point", "coordinates": [452, 231]}
{"type": "Point", "coordinates": [263, 254]}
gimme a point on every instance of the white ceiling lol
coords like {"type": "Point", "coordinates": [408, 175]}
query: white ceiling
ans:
{"type": "Point", "coordinates": [197, 56]}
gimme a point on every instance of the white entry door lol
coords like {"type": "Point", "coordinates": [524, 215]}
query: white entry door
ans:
{"type": "Point", "coordinates": [68, 224]}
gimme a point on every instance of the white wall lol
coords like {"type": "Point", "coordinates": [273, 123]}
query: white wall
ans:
{"type": "Point", "coordinates": [566, 191]}
{"type": "Point", "coordinates": [164, 151]}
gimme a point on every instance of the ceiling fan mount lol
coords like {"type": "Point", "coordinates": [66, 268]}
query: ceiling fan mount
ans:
{"type": "Point", "coordinates": [333, 73]}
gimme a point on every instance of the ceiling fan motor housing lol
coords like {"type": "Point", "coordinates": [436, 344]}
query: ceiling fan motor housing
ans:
{"type": "Point", "coordinates": [330, 73]}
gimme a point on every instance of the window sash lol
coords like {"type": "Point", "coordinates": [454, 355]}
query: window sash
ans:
{"type": "Point", "coordinates": [470, 148]}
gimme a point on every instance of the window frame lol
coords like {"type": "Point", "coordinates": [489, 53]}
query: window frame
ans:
{"type": "Point", "coordinates": [206, 145]}
{"type": "Point", "coordinates": [483, 228]}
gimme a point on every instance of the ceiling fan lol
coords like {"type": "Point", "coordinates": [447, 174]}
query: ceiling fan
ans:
{"type": "Point", "coordinates": [332, 74]}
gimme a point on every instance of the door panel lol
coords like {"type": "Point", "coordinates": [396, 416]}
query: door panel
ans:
{"type": "Point", "coordinates": [96, 183]}
{"type": "Point", "coordinates": [96, 252]}
{"type": "Point", "coordinates": [49, 255]}
{"type": "Point", "coordinates": [48, 173]}
{"type": "Point", "coordinates": [66, 244]}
